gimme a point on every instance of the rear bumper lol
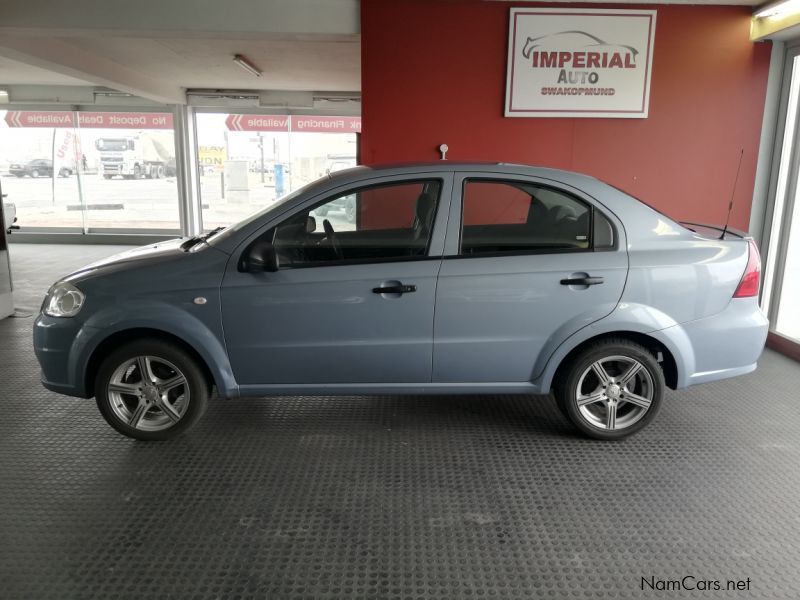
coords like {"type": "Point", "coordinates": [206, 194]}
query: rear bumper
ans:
{"type": "Point", "coordinates": [721, 346]}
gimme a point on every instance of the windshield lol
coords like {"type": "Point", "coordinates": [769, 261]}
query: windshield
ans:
{"type": "Point", "coordinates": [225, 233]}
{"type": "Point", "coordinates": [106, 144]}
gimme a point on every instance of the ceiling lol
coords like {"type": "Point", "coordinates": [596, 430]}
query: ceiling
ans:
{"type": "Point", "coordinates": [15, 72]}
{"type": "Point", "coordinates": [208, 63]}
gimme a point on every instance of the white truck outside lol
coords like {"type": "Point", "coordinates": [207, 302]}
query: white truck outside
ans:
{"type": "Point", "coordinates": [133, 157]}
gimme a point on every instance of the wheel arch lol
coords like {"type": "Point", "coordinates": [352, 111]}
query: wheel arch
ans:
{"type": "Point", "coordinates": [656, 347]}
{"type": "Point", "coordinates": [116, 339]}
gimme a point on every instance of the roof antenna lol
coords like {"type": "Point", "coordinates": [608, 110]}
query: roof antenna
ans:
{"type": "Point", "coordinates": [733, 195]}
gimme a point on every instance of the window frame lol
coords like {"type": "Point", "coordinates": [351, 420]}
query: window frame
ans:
{"type": "Point", "coordinates": [351, 189]}
{"type": "Point", "coordinates": [501, 179]}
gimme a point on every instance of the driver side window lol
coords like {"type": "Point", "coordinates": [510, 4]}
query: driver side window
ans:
{"type": "Point", "coordinates": [377, 223]}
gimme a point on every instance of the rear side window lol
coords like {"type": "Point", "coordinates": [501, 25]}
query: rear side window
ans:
{"type": "Point", "coordinates": [603, 236]}
{"type": "Point", "coordinates": [517, 217]}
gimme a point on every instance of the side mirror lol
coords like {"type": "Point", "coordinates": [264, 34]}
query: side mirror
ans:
{"type": "Point", "coordinates": [260, 257]}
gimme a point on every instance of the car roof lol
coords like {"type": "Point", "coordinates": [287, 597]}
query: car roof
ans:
{"type": "Point", "coordinates": [569, 177]}
{"type": "Point", "coordinates": [613, 199]}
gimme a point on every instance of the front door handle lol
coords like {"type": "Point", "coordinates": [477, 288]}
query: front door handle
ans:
{"type": "Point", "coordinates": [582, 281]}
{"type": "Point", "coordinates": [395, 289]}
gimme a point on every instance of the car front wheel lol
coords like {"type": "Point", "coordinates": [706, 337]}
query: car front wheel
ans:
{"type": "Point", "coordinates": [151, 390]}
{"type": "Point", "coordinates": [611, 389]}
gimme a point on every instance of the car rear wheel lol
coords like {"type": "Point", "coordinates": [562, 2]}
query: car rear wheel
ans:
{"type": "Point", "coordinates": [611, 390]}
{"type": "Point", "coordinates": [151, 390]}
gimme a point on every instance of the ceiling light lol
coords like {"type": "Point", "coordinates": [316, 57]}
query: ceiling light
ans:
{"type": "Point", "coordinates": [778, 9]}
{"type": "Point", "coordinates": [247, 65]}
{"type": "Point", "coordinates": [112, 94]}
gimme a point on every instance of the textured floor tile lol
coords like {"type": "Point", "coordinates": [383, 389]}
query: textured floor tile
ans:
{"type": "Point", "coordinates": [411, 498]}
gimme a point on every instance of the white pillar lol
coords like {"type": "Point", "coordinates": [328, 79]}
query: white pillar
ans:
{"type": "Point", "coordinates": [187, 171]}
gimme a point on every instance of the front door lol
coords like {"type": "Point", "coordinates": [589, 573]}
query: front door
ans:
{"type": "Point", "coordinates": [352, 300]}
{"type": "Point", "coordinates": [526, 265]}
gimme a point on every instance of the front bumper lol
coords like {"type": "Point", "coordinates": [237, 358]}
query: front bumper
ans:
{"type": "Point", "coordinates": [53, 339]}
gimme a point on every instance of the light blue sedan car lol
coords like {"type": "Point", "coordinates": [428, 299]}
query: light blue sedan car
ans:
{"type": "Point", "coordinates": [452, 279]}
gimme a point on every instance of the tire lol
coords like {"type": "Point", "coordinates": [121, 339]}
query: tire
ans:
{"type": "Point", "coordinates": [35, 173]}
{"type": "Point", "coordinates": [107, 176]}
{"type": "Point", "coordinates": [137, 171]}
{"type": "Point", "coordinates": [162, 410]}
{"type": "Point", "coordinates": [611, 409]}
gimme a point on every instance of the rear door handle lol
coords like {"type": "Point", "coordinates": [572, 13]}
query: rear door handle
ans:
{"type": "Point", "coordinates": [582, 281]}
{"type": "Point", "coordinates": [395, 289]}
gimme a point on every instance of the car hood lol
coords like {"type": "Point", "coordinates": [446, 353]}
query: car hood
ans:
{"type": "Point", "coordinates": [141, 253]}
{"type": "Point", "coordinates": [134, 258]}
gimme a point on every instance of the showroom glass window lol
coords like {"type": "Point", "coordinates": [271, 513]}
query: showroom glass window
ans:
{"type": "Point", "coordinates": [502, 217]}
{"type": "Point", "coordinates": [90, 171]}
{"type": "Point", "coordinates": [372, 224]}
{"type": "Point", "coordinates": [44, 198]}
{"type": "Point", "coordinates": [247, 161]}
{"type": "Point", "coordinates": [127, 160]}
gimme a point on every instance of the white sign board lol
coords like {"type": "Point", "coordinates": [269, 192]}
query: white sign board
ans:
{"type": "Point", "coordinates": [579, 62]}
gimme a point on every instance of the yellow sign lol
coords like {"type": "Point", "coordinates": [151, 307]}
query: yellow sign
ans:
{"type": "Point", "coordinates": [213, 156]}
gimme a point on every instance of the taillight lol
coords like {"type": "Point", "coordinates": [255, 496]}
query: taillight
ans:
{"type": "Point", "coordinates": [748, 286]}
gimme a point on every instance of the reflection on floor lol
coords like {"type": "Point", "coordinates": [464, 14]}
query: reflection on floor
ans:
{"type": "Point", "coordinates": [391, 497]}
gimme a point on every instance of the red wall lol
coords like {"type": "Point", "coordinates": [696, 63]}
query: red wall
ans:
{"type": "Point", "coordinates": [434, 72]}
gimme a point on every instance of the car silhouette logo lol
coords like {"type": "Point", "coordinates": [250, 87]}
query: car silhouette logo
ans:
{"type": "Point", "coordinates": [571, 39]}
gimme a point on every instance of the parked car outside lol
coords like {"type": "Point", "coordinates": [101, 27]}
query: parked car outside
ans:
{"type": "Point", "coordinates": [40, 167]}
{"type": "Point", "coordinates": [457, 279]}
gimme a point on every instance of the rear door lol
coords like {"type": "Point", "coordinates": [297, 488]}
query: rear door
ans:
{"type": "Point", "coordinates": [527, 263]}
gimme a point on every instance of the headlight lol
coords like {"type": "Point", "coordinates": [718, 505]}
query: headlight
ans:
{"type": "Point", "coordinates": [63, 300]}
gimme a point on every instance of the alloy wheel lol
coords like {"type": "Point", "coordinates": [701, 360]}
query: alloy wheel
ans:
{"type": "Point", "coordinates": [148, 393]}
{"type": "Point", "coordinates": [615, 392]}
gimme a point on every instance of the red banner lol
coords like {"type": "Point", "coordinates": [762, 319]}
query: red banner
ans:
{"type": "Point", "coordinates": [257, 122]}
{"type": "Point", "coordinates": [132, 120]}
{"type": "Point", "coordinates": [294, 123]}
{"type": "Point", "coordinates": [90, 120]}
{"type": "Point", "coordinates": [326, 124]}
